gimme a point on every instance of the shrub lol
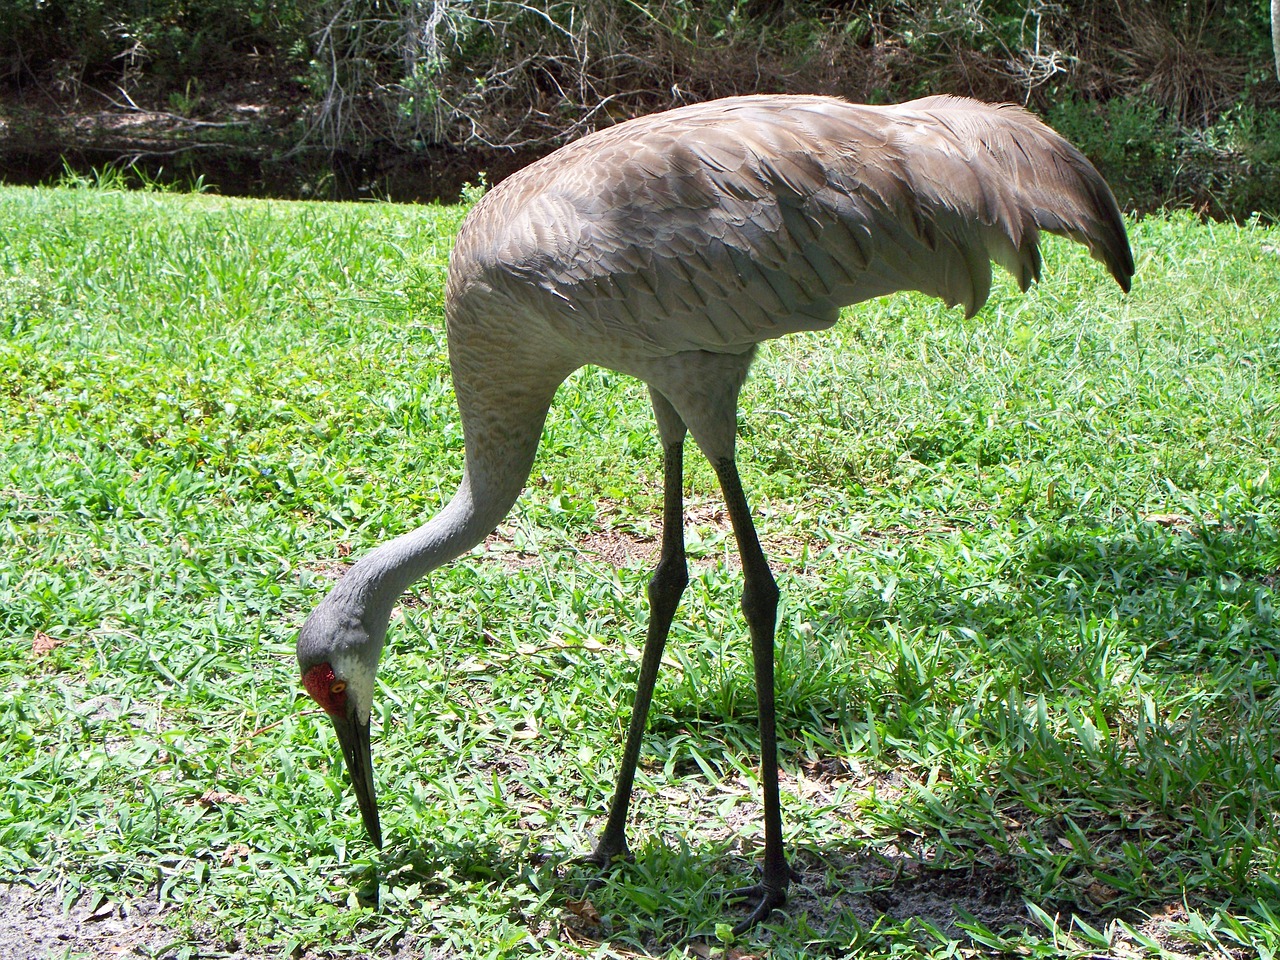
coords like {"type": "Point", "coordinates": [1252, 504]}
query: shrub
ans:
{"type": "Point", "coordinates": [160, 45]}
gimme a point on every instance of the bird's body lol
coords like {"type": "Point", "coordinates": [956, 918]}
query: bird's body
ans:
{"type": "Point", "coordinates": [667, 248]}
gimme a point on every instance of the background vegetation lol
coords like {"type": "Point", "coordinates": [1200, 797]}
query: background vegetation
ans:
{"type": "Point", "coordinates": [1176, 100]}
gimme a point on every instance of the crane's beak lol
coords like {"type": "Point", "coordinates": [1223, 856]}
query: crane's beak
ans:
{"type": "Point", "coordinates": [353, 734]}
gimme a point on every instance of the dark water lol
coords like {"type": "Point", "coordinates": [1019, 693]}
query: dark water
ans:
{"type": "Point", "coordinates": [436, 175]}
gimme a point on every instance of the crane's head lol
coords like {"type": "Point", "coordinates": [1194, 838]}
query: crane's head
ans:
{"type": "Point", "coordinates": [339, 660]}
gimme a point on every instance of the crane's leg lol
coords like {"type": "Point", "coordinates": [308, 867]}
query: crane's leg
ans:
{"type": "Point", "coordinates": [760, 607]}
{"type": "Point", "coordinates": [669, 579]}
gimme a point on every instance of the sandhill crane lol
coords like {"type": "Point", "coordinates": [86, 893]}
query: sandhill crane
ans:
{"type": "Point", "coordinates": [667, 248]}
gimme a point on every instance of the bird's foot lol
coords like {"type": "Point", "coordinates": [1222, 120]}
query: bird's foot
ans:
{"type": "Point", "coordinates": [606, 855]}
{"type": "Point", "coordinates": [762, 900]}
{"type": "Point", "coordinates": [764, 897]}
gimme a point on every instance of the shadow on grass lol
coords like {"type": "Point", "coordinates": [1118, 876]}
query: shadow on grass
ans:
{"type": "Point", "coordinates": [431, 868]}
{"type": "Point", "coordinates": [1195, 592]}
{"type": "Point", "coordinates": [1129, 728]}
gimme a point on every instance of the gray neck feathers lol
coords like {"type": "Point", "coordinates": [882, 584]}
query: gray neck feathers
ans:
{"type": "Point", "coordinates": [371, 588]}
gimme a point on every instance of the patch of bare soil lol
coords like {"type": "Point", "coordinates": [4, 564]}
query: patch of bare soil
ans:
{"type": "Point", "coordinates": [623, 548]}
{"type": "Point", "coordinates": [619, 548]}
{"type": "Point", "coordinates": [34, 927]}
{"type": "Point", "coordinates": [871, 886]}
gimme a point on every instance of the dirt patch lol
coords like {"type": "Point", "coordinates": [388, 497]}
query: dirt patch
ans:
{"type": "Point", "coordinates": [35, 927]}
{"type": "Point", "coordinates": [500, 546]}
{"type": "Point", "coordinates": [620, 549]}
{"type": "Point", "coordinates": [872, 886]}
{"type": "Point", "coordinates": [616, 548]}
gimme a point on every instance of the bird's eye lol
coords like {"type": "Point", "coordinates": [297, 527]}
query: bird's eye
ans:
{"type": "Point", "coordinates": [338, 686]}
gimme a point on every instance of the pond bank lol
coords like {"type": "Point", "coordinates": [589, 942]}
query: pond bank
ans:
{"type": "Point", "coordinates": [249, 151]}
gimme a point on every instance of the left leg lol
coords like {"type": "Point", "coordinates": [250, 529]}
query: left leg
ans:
{"type": "Point", "coordinates": [665, 588]}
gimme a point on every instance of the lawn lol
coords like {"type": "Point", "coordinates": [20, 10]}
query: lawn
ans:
{"type": "Point", "coordinates": [1028, 661]}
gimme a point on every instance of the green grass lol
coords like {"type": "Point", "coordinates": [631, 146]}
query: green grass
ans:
{"type": "Point", "coordinates": [1028, 649]}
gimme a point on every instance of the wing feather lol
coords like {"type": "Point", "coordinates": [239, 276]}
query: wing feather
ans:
{"type": "Point", "coordinates": [719, 225]}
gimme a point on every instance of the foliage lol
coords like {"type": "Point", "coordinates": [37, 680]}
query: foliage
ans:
{"type": "Point", "coordinates": [170, 44]}
{"type": "Point", "coordinates": [1028, 649]}
{"type": "Point", "coordinates": [1149, 159]}
{"type": "Point", "coordinates": [1192, 60]}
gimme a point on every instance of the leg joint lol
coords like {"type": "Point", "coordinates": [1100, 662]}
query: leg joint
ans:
{"type": "Point", "coordinates": [760, 599]}
{"type": "Point", "coordinates": [668, 582]}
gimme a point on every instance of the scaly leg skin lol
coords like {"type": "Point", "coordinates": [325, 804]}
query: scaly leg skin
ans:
{"type": "Point", "coordinates": [760, 607]}
{"type": "Point", "coordinates": [665, 588]}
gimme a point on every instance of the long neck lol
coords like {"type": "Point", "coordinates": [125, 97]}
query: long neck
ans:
{"type": "Point", "coordinates": [374, 584]}
{"type": "Point", "coordinates": [502, 423]}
